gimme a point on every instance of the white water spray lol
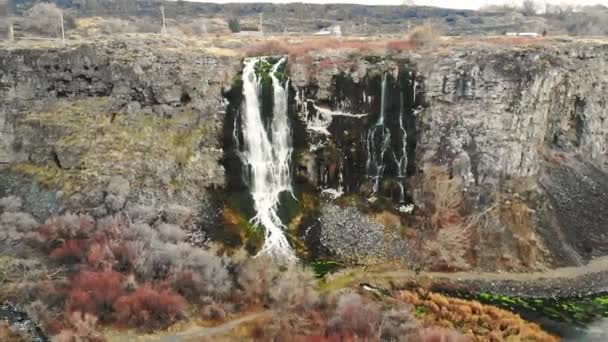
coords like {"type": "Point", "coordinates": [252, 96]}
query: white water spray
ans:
{"type": "Point", "coordinates": [378, 141]}
{"type": "Point", "coordinates": [267, 158]}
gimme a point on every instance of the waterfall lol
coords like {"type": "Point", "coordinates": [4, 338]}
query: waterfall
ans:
{"type": "Point", "coordinates": [401, 161]}
{"type": "Point", "coordinates": [267, 158]}
{"type": "Point", "coordinates": [377, 142]}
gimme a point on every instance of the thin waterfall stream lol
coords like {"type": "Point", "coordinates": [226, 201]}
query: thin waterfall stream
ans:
{"type": "Point", "coordinates": [267, 157]}
{"type": "Point", "coordinates": [378, 141]}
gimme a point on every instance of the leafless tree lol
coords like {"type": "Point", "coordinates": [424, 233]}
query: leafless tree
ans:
{"type": "Point", "coordinates": [45, 18]}
{"type": "Point", "coordinates": [530, 7]}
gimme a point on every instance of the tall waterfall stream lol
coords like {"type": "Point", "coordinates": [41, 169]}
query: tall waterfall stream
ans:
{"type": "Point", "coordinates": [267, 156]}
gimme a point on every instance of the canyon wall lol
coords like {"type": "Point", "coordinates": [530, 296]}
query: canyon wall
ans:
{"type": "Point", "coordinates": [514, 136]}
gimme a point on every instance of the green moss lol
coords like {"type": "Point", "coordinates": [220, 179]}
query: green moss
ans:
{"type": "Point", "coordinates": [323, 267]}
{"type": "Point", "coordinates": [419, 311]}
{"type": "Point", "coordinates": [577, 310]}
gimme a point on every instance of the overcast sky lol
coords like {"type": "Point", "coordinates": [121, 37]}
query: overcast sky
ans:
{"type": "Point", "coordinates": [473, 4]}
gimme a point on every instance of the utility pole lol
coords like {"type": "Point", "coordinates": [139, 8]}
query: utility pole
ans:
{"type": "Point", "coordinates": [261, 29]}
{"type": "Point", "coordinates": [62, 28]}
{"type": "Point", "coordinates": [11, 32]}
{"type": "Point", "coordinates": [163, 30]}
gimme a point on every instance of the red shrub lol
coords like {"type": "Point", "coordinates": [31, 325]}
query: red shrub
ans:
{"type": "Point", "coordinates": [100, 256]}
{"type": "Point", "coordinates": [150, 308]}
{"type": "Point", "coordinates": [70, 252]}
{"type": "Point", "coordinates": [95, 293]}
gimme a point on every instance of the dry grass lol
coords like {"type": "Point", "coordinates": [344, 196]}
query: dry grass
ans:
{"type": "Point", "coordinates": [296, 48]}
{"type": "Point", "coordinates": [445, 197]}
{"type": "Point", "coordinates": [476, 321]}
{"type": "Point", "coordinates": [517, 217]}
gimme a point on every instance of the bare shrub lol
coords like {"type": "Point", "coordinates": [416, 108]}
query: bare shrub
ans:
{"type": "Point", "coordinates": [214, 311]}
{"type": "Point", "coordinates": [64, 228]}
{"type": "Point", "coordinates": [424, 35]}
{"type": "Point", "coordinates": [158, 260]}
{"type": "Point", "coordinates": [118, 190]}
{"type": "Point", "coordinates": [179, 215]}
{"type": "Point", "coordinates": [396, 324]}
{"type": "Point", "coordinates": [196, 27]}
{"type": "Point", "coordinates": [45, 17]}
{"type": "Point", "coordinates": [255, 279]}
{"type": "Point", "coordinates": [353, 315]}
{"type": "Point", "coordinates": [142, 214]}
{"type": "Point", "coordinates": [530, 7]}
{"type": "Point", "coordinates": [210, 272]}
{"type": "Point", "coordinates": [15, 227]}
{"type": "Point", "coordinates": [116, 25]}
{"type": "Point", "coordinates": [198, 272]}
{"type": "Point", "coordinates": [294, 289]}
{"type": "Point", "coordinates": [433, 334]}
{"type": "Point", "coordinates": [445, 196]}
{"type": "Point", "coordinates": [83, 328]}
{"type": "Point", "coordinates": [10, 204]}
{"type": "Point", "coordinates": [171, 233]}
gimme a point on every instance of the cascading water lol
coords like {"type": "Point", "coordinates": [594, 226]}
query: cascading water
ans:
{"type": "Point", "coordinates": [267, 157]}
{"type": "Point", "coordinates": [377, 142]}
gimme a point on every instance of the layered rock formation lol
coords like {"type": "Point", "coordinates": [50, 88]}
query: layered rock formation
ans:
{"type": "Point", "coordinates": [506, 146]}
{"type": "Point", "coordinates": [146, 109]}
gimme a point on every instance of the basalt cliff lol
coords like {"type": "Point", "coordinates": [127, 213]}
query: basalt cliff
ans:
{"type": "Point", "coordinates": [488, 157]}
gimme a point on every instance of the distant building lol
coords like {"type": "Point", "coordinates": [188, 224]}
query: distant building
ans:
{"type": "Point", "coordinates": [249, 33]}
{"type": "Point", "coordinates": [330, 31]}
{"type": "Point", "coordinates": [524, 34]}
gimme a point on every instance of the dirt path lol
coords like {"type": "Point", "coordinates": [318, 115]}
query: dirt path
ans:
{"type": "Point", "coordinates": [561, 282]}
{"type": "Point", "coordinates": [194, 333]}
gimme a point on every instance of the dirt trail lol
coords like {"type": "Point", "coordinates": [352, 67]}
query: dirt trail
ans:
{"type": "Point", "coordinates": [195, 333]}
{"type": "Point", "coordinates": [560, 282]}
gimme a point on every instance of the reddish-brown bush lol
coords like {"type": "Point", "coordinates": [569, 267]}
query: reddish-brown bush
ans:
{"type": "Point", "coordinates": [149, 308]}
{"type": "Point", "coordinates": [70, 252]}
{"type": "Point", "coordinates": [353, 315]}
{"type": "Point", "coordinates": [95, 293]}
{"type": "Point", "coordinates": [268, 48]}
{"type": "Point", "coordinates": [100, 256]}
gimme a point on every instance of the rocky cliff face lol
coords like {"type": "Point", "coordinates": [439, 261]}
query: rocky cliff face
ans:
{"type": "Point", "coordinates": [517, 130]}
{"type": "Point", "coordinates": [146, 110]}
{"type": "Point", "coordinates": [475, 157]}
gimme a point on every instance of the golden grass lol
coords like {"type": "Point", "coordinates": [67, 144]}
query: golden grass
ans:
{"type": "Point", "coordinates": [476, 321]}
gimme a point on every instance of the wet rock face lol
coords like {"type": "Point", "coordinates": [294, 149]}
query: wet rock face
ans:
{"type": "Point", "coordinates": [360, 126]}
{"type": "Point", "coordinates": [489, 117]}
{"type": "Point", "coordinates": [146, 109]}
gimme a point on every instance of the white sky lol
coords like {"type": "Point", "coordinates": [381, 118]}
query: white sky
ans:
{"type": "Point", "coordinates": [472, 4]}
